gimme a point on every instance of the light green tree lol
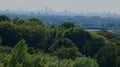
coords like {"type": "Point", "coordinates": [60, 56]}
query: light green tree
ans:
{"type": "Point", "coordinates": [20, 55]}
{"type": "Point", "coordinates": [85, 62]}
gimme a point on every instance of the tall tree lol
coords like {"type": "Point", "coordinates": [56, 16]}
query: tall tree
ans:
{"type": "Point", "coordinates": [94, 45]}
{"type": "Point", "coordinates": [65, 48]}
{"type": "Point", "coordinates": [78, 35]}
{"type": "Point", "coordinates": [20, 55]}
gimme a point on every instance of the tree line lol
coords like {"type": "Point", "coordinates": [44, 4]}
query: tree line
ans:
{"type": "Point", "coordinates": [31, 43]}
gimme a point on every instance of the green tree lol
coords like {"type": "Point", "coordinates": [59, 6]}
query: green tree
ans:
{"type": "Point", "coordinates": [0, 41]}
{"type": "Point", "coordinates": [19, 65]}
{"type": "Point", "coordinates": [65, 48]}
{"type": "Point", "coordinates": [118, 61]}
{"type": "Point", "coordinates": [18, 21]}
{"type": "Point", "coordinates": [107, 55]}
{"type": "Point", "coordinates": [94, 45]}
{"type": "Point", "coordinates": [36, 20]}
{"type": "Point", "coordinates": [4, 18]}
{"type": "Point", "coordinates": [9, 34]}
{"type": "Point", "coordinates": [67, 25]}
{"type": "Point", "coordinates": [85, 62]}
{"type": "Point", "coordinates": [66, 63]}
{"type": "Point", "coordinates": [5, 59]}
{"type": "Point", "coordinates": [79, 36]}
{"type": "Point", "coordinates": [20, 55]}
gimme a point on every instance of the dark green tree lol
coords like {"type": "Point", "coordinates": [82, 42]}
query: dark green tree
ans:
{"type": "Point", "coordinates": [36, 20]}
{"type": "Point", "coordinates": [9, 34]}
{"type": "Point", "coordinates": [94, 45]}
{"type": "Point", "coordinates": [65, 48]}
{"type": "Point", "coordinates": [67, 25]}
{"type": "Point", "coordinates": [118, 61]}
{"type": "Point", "coordinates": [79, 36]}
{"type": "Point", "coordinates": [0, 41]}
{"type": "Point", "coordinates": [18, 21]}
{"type": "Point", "coordinates": [107, 55]}
{"type": "Point", "coordinates": [4, 18]}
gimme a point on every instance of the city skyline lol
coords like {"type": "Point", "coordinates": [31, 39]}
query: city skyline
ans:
{"type": "Point", "coordinates": [62, 5]}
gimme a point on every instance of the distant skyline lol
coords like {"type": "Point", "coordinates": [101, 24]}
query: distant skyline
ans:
{"type": "Point", "coordinates": [77, 6]}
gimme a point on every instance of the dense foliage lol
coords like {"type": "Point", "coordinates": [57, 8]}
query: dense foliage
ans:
{"type": "Point", "coordinates": [31, 43]}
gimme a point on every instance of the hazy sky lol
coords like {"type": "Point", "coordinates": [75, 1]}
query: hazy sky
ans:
{"type": "Point", "coordinates": [61, 5]}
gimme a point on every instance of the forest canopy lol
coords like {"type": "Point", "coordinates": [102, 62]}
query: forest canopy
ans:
{"type": "Point", "coordinates": [31, 43]}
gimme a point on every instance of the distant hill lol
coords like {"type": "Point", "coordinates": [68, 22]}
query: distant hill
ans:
{"type": "Point", "coordinates": [89, 20]}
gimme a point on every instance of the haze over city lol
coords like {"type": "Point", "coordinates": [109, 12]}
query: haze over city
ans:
{"type": "Point", "coordinates": [62, 5]}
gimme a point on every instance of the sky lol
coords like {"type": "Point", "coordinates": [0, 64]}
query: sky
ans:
{"type": "Point", "coordinates": [61, 5]}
